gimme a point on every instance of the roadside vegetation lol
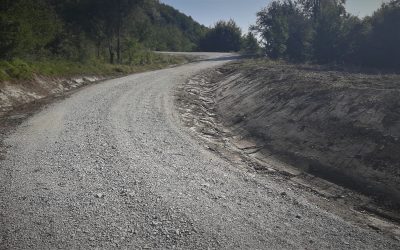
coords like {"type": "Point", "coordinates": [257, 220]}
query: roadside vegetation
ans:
{"type": "Point", "coordinates": [17, 69]}
{"type": "Point", "coordinates": [227, 36]}
{"type": "Point", "coordinates": [90, 37]}
{"type": "Point", "coordinates": [321, 31]}
{"type": "Point", "coordinates": [62, 38]}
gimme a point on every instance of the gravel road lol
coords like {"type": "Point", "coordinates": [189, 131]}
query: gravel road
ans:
{"type": "Point", "coordinates": [112, 167]}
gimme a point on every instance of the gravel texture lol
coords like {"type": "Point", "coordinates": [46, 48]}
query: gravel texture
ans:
{"type": "Point", "coordinates": [112, 167]}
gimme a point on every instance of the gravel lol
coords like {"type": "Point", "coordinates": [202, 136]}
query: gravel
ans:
{"type": "Point", "coordinates": [112, 167]}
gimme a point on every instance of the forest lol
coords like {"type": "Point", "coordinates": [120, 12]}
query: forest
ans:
{"type": "Point", "coordinates": [125, 32]}
{"type": "Point", "coordinates": [81, 29]}
{"type": "Point", "coordinates": [323, 32]}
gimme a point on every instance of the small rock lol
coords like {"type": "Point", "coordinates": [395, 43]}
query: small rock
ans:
{"type": "Point", "coordinates": [374, 227]}
{"type": "Point", "coordinates": [99, 195]}
{"type": "Point", "coordinates": [155, 223]}
{"type": "Point", "coordinates": [205, 184]}
{"type": "Point", "coordinates": [298, 216]}
{"type": "Point", "coordinates": [283, 194]}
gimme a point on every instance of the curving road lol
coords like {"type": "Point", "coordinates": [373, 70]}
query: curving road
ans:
{"type": "Point", "coordinates": [111, 167]}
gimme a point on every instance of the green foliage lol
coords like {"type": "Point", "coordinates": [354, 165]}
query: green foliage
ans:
{"type": "Point", "coordinates": [15, 69]}
{"type": "Point", "coordinates": [322, 31]}
{"type": "Point", "coordinates": [382, 42]}
{"type": "Point", "coordinates": [29, 25]}
{"type": "Point", "coordinates": [223, 37]}
{"type": "Point", "coordinates": [8, 34]}
{"type": "Point", "coordinates": [18, 69]}
{"type": "Point", "coordinates": [328, 29]}
{"type": "Point", "coordinates": [82, 30]}
{"type": "Point", "coordinates": [287, 33]}
{"type": "Point", "coordinates": [272, 24]}
{"type": "Point", "coordinates": [250, 44]}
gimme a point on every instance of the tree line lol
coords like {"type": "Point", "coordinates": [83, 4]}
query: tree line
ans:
{"type": "Point", "coordinates": [226, 36]}
{"type": "Point", "coordinates": [323, 32]}
{"type": "Point", "coordinates": [115, 31]}
{"type": "Point", "coordinates": [121, 31]}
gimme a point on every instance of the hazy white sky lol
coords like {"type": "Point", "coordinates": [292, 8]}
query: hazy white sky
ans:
{"type": "Point", "coordinates": [207, 12]}
{"type": "Point", "coordinates": [363, 7]}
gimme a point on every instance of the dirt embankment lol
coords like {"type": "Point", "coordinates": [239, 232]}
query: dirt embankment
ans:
{"type": "Point", "coordinates": [17, 93]}
{"type": "Point", "coordinates": [341, 126]}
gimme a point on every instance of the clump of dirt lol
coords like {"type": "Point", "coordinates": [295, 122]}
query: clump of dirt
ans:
{"type": "Point", "coordinates": [341, 126]}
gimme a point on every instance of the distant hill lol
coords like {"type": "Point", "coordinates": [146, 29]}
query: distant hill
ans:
{"type": "Point", "coordinates": [79, 29]}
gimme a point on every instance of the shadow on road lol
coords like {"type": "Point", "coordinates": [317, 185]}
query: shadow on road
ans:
{"type": "Point", "coordinates": [224, 58]}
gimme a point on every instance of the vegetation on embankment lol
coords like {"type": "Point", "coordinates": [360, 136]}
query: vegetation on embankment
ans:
{"type": "Point", "coordinates": [322, 31]}
{"type": "Point", "coordinates": [336, 124]}
{"type": "Point", "coordinates": [18, 69]}
{"type": "Point", "coordinates": [112, 31]}
{"type": "Point", "coordinates": [53, 38]}
{"type": "Point", "coordinates": [22, 82]}
{"type": "Point", "coordinates": [49, 38]}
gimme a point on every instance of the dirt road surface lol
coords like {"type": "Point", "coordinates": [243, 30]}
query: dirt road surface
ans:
{"type": "Point", "coordinates": [112, 167]}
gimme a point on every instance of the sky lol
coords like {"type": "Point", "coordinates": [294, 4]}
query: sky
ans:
{"type": "Point", "coordinates": [208, 12]}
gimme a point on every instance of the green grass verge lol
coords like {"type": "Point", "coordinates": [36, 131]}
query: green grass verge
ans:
{"type": "Point", "coordinates": [18, 69]}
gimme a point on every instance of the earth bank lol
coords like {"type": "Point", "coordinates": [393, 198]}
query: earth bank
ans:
{"type": "Point", "coordinates": [342, 126]}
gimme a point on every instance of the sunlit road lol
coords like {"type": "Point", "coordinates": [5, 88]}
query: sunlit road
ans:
{"type": "Point", "coordinates": [112, 167]}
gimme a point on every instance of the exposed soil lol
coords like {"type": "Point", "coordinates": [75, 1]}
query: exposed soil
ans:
{"type": "Point", "coordinates": [21, 94]}
{"type": "Point", "coordinates": [14, 94]}
{"type": "Point", "coordinates": [334, 133]}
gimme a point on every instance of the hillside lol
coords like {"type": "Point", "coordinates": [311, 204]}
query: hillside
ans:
{"type": "Point", "coordinates": [114, 31]}
{"type": "Point", "coordinates": [339, 125]}
{"type": "Point", "coordinates": [46, 45]}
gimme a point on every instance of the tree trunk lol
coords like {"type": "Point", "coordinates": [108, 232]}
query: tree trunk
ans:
{"type": "Point", "coordinates": [98, 49]}
{"type": "Point", "coordinates": [119, 32]}
{"type": "Point", "coordinates": [110, 49]}
{"type": "Point", "coordinates": [119, 46]}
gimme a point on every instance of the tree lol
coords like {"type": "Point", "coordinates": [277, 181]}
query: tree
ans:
{"type": "Point", "coordinates": [313, 8]}
{"type": "Point", "coordinates": [26, 27]}
{"type": "Point", "coordinates": [225, 36]}
{"type": "Point", "coordinates": [285, 31]}
{"type": "Point", "coordinates": [353, 35]}
{"type": "Point", "coordinates": [322, 31]}
{"type": "Point", "coordinates": [328, 23]}
{"type": "Point", "coordinates": [250, 43]}
{"type": "Point", "coordinates": [382, 44]}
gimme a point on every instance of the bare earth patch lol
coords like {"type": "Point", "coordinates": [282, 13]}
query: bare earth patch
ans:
{"type": "Point", "coordinates": [333, 133]}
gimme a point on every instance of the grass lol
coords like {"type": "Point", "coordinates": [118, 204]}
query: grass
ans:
{"type": "Point", "coordinates": [18, 69]}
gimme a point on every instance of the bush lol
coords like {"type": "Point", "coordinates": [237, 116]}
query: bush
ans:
{"type": "Point", "coordinates": [224, 37]}
{"type": "Point", "coordinates": [20, 69]}
{"type": "Point", "coordinates": [323, 32]}
{"type": "Point", "coordinates": [16, 69]}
